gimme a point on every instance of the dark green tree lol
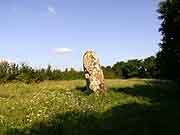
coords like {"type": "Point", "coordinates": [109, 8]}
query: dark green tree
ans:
{"type": "Point", "coordinates": [117, 68]}
{"type": "Point", "coordinates": [109, 73]}
{"type": "Point", "coordinates": [151, 69]}
{"type": "Point", "coordinates": [49, 72]}
{"type": "Point", "coordinates": [25, 73]}
{"type": "Point", "coordinates": [128, 69]}
{"type": "Point", "coordinates": [4, 71]}
{"type": "Point", "coordinates": [169, 55]}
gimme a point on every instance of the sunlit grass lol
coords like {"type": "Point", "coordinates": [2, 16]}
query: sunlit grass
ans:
{"type": "Point", "coordinates": [24, 105]}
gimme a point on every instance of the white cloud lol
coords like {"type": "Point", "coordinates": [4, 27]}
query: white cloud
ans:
{"type": "Point", "coordinates": [62, 50]}
{"type": "Point", "coordinates": [51, 10]}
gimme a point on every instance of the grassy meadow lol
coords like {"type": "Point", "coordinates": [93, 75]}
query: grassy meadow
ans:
{"type": "Point", "coordinates": [130, 107]}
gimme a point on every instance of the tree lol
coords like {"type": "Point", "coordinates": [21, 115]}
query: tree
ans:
{"type": "Point", "coordinates": [25, 73]}
{"type": "Point", "coordinates": [169, 56]}
{"type": "Point", "coordinates": [150, 66]}
{"type": "Point", "coordinates": [128, 69]}
{"type": "Point", "coordinates": [109, 73]}
{"type": "Point", "coordinates": [117, 68]}
{"type": "Point", "coordinates": [4, 71]}
{"type": "Point", "coordinates": [49, 72]}
{"type": "Point", "coordinates": [133, 67]}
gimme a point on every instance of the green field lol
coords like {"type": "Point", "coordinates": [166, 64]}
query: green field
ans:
{"type": "Point", "coordinates": [130, 107]}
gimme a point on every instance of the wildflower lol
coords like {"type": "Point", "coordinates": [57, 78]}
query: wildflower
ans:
{"type": "Point", "coordinates": [40, 111]}
{"type": "Point", "coordinates": [1, 116]}
{"type": "Point", "coordinates": [12, 108]}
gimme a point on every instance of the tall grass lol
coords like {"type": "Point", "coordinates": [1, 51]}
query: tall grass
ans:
{"type": "Point", "coordinates": [60, 107]}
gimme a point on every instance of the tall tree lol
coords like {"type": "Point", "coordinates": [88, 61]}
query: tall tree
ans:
{"type": "Point", "coordinates": [150, 67]}
{"type": "Point", "coordinates": [169, 55]}
{"type": "Point", "coordinates": [109, 73]}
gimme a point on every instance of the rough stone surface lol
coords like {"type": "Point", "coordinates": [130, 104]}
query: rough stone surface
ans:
{"type": "Point", "coordinates": [93, 73]}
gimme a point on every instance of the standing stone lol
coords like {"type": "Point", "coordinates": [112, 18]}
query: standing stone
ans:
{"type": "Point", "coordinates": [93, 73]}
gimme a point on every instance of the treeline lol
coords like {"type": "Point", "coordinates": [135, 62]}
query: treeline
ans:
{"type": "Point", "coordinates": [25, 73]}
{"type": "Point", "coordinates": [146, 68]}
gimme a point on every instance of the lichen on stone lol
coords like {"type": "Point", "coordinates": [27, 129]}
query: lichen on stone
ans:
{"type": "Point", "coordinates": [93, 72]}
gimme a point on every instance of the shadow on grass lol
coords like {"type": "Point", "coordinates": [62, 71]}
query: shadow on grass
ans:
{"type": "Point", "coordinates": [160, 118]}
{"type": "Point", "coordinates": [81, 88]}
{"type": "Point", "coordinates": [130, 119]}
{"type": "Point", "coordinates": [84, 90]}
{"type": "Point", "coordinates": [155, 90]}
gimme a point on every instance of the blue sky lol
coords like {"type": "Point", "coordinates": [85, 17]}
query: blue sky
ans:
{"type": "Point", "coordinates": [36, 31]}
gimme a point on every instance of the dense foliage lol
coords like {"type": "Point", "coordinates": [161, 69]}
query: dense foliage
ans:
{"type": "Point", "coordinates": [146, 68]}
{"type": "Point", "coordinates": [169, 56]}
{"type": "Point", "coordinates": [25, 73]}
